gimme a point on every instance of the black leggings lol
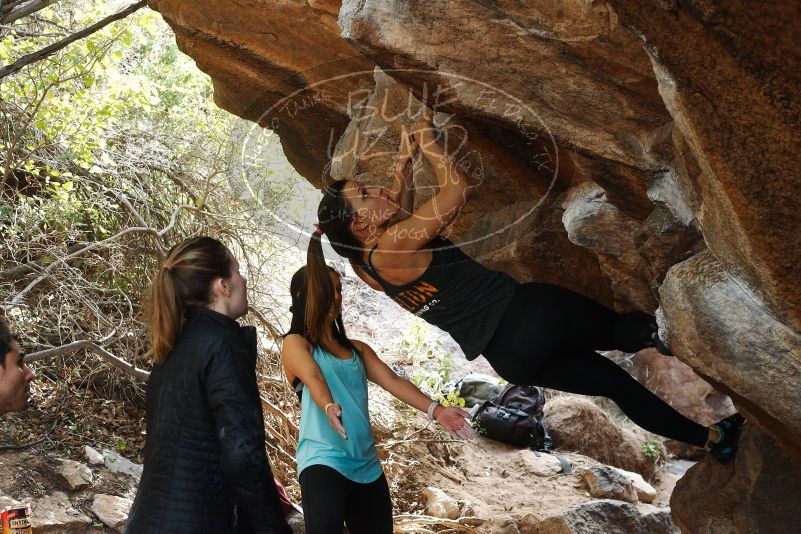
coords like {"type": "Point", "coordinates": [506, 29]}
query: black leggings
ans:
{"type": "Point", "coordinates": [548, 337]}
{"type": "Point", "coordinates": [331, 499]}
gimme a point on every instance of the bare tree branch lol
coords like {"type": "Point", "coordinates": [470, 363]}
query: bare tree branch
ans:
{"type": "Point", "coordinates": [55, 47]}
{"type": "Point", "coordinates": [89, 346]}
{"type": "Point", "coordinates": [275, 410]}
{"type": "Point", "coordinates": [25, 33]}
{"type": "Point", "coordinates": [275, 335]}
{"type": "Point", "coordinates": [14, 273]}
{"type": "Point", "coordinates": [136, 229]}
{"type": "Point", "coordinates": [17, 13]}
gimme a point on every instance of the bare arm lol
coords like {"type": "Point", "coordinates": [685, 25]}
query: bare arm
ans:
{"type": "Point", "coordinates": [434, 215]}
{"type": "Point", "coordinates": [296, 356]}
{"type": "Point", "coordinates": [402, 186]}
{"type": "Point", "coordinates": [452, 419]}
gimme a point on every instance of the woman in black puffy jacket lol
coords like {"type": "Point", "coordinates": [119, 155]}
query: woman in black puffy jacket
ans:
{"type": "Point", "coordinates": [205, 467]}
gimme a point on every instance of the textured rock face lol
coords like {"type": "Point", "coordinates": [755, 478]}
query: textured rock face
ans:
{"type": "Point", "coordinates": [543, 52]}
{"type": "Point", "coordinates": [112, 510]}
{"type": "Point", "coordinates": [68, 474]}
{"type": "Point", "coordinates": [757, 493]}
{"type": "Point", "coordinates": [736, 107]}
{"type": "Point", "coordinates": [54, 513]}
{"type": "Point", "coordinates": [724, 333]}
{"type": "Point", "coordinates": [643, 134]}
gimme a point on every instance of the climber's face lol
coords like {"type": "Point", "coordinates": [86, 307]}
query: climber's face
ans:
{"type": "Point", "coordinates": [373, 206]}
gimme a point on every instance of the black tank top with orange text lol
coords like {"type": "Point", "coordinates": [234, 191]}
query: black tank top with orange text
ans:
{"type": "Point", "coordinates": [456, 294]}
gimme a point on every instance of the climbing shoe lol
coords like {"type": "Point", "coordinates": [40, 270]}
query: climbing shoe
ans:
{"type": "Point", "coordinates": [657, 343]}
{"type": "Point", "coordinates": [661, 346]}
{"type": "Point", "coordinates": [729, 431]}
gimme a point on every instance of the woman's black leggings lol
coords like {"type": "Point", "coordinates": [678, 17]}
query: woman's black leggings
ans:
{"type": "Point", "coordinates": [331, 500]}
{"type": "Point", "coordinates": [548, 337]}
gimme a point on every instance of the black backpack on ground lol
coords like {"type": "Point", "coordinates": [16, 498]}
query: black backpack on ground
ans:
{"type": "Point", "coordinates": [514, 416]}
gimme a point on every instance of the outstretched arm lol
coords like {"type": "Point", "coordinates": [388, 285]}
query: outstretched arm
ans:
{"type": "Point", "coordinates": [452, 419]}
{"type": "Point", "coordinates": [296, 355]}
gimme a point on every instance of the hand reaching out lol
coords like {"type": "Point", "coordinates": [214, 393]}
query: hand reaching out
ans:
{"type": "Point", "coordinates": [334, 413]}
{"type": "Point", "coordinates": [455, 421]}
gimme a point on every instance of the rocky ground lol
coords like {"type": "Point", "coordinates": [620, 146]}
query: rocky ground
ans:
{"type": "Point", "coordinates": [622, 478]}
{"type": "Point", "coordinates": [93, 494]}
{"type": "Point", "coordinates": [493, 487]}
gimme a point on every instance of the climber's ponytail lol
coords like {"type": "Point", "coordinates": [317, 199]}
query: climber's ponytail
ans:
{"type": "Point", "coordinates": [335, 215]}
{"type": "Point", "coordinates": [319, 290]}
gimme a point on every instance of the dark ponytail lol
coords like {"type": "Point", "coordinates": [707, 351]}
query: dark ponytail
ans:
{"type": "Point", "coordinates": [335, 215]}
{"type": "Point", "coordinates": [319, 290]}
{"type": "Point", "coordinates": [184, 280]}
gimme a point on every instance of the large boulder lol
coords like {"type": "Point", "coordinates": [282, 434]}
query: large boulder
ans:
{"type": "Point", "coordinates": [725, 333]}
{"type": "Point", "coordinates": [579, 425]}
{"type": "Point", "coordinates": [737, 108]}
{"type": "Point", "coordinates": [607, 516]}
{"type": "Point", "coordinates": [748, 495]}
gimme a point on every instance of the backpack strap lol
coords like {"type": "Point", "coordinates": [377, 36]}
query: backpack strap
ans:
{"type": "Point", "coordinates": [547, 440]}
{"type": "Point", "coordinates": [567, 467]}
{"type": "Point", "coordinates": [547, 447]}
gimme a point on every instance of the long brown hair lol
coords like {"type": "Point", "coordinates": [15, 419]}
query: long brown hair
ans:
{"type": "Point", "coordinates": [184, 279]}
{"type": "Point", "coordinates": [302, 323]}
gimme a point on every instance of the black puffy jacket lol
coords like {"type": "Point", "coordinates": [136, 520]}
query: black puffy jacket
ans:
{"type": "Point", "coordinates": [205, 467]}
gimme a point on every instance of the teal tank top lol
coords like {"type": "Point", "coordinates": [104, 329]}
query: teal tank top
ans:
{"type": "Point", "coordinates": [319, 444]}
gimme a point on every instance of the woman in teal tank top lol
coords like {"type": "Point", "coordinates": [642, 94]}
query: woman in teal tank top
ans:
{"type": "Point", "coordinates": [341, 478]}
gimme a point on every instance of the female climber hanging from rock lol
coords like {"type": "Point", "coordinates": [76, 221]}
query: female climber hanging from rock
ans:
{"type": "Point", "coordinates": [531, 334]}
